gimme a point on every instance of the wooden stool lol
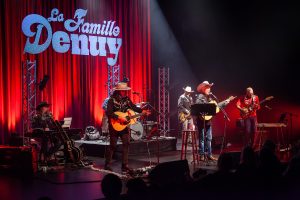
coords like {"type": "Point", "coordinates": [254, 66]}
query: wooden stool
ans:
{"type": "Point", "coordinates": [184, 139]}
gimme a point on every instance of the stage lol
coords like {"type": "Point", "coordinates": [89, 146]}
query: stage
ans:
{"type": "Point", "coordinates": [137, 147]}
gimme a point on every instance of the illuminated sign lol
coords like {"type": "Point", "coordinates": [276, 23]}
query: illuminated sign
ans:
{"type": "Point", "coordinates": [80, 37]}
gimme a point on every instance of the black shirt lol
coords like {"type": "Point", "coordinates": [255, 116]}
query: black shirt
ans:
{"type": "Point", "coordinates": [42, 121]}
{"type": "Point", "coordinates": [118, 103]}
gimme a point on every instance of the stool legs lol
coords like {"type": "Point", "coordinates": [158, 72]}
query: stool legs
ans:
{"type": "Point", "coordinates": [184, 138]}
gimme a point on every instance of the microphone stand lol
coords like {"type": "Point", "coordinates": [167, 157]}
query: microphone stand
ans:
{"type": "Point", "coordinates": [291, 115]}
{"type": "Point", "coordinates": [225, 122]}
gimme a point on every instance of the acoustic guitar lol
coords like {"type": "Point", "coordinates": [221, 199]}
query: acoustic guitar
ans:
{"type": "Point", "coordinates": [74, 153]}
{"type": "Point", "coordinates": [245, 112]}
{"type": "Point", "coordinates": [218, 105]}
{"type": "Point", "coordinates": [131, 117]}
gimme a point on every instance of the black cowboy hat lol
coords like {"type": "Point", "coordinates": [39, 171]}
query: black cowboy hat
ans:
{"type": "Point", "coordinates": [42, 104]}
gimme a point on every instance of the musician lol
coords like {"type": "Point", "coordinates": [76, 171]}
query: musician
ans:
{"type": "Point", "coordinates": [205, 133]}
{"type": "Point", "coordinates": [184, 109]}
{"type": "Point", "coordinates": [119, 101]}
{"type": "Point", "coordinates": [104, 126]}
{"type": "Point", "coordinates": [41, 123]}
{"type": "Point", "coordinates": [248, 105]}
{"type": "Point", "coordinates": [42, 118]}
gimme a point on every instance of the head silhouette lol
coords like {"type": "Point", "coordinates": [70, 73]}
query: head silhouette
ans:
{"type": "Point", "coordinates": [111, 186]}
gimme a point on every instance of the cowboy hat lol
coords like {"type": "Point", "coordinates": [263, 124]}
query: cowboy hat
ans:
{"type": "Point", "coordinates": [42, 104]}
{"type": "Point", "coordinates": [121, 86]}
{"type": "Point", "coordinates": [203, 85]}
{"type": "Point", "coordinates": [188, 89]}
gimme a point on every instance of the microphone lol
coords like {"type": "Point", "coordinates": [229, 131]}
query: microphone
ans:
{"type": "Point", "coordinates": [133, 92]}
{"type": "Point", "coordinates": [213, 95]}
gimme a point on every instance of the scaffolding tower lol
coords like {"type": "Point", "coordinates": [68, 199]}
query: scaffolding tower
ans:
{"type": "Point", "coordinates": [163, 100]}
{"type": "Point", "coordinates": [29, 81]}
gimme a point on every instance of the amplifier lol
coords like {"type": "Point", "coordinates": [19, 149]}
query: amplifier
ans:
{"type": "Point", "coordinates": [18, 160]}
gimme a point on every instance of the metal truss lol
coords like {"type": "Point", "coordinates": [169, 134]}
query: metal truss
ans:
{"type": "Point", "coordinates": [29, 81]}
{"type": "Point", "coordinates": [164, 100]}
{"type": "Point", "coordinates": [113, 77]}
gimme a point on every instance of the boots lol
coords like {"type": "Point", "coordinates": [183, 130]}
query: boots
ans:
{"type": "Point", "coordinates": [107, 167]}
{"type": "Point", "coordinates": [126, 169]}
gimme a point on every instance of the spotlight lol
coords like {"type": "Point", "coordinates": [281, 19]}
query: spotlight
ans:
{"type": "Point", "coordinates": [43, 82]}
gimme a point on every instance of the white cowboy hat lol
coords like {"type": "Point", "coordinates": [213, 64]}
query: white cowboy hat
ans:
{"type": "Point", "coordinates": [203, 85]}
{"type": "Point", "coordinates": [121, 86]}
{"type": "Point", "coordinates": [188, 89]}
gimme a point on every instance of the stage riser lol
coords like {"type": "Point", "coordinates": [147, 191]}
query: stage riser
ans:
{"type": "Point", "coordinates": [136, 148]}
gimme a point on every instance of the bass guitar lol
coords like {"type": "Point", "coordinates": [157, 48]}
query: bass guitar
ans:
{"type": "Point", "coordinates": [247, 111]}
{"type": "Point", "coordinates": [74, 153]}
{"type": "Point", "coordinates": [129, 115]}
{"type": "Point", "coordinates": [218, 105]}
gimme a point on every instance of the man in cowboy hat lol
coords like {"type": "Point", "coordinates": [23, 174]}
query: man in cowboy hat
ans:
{"type": "Point", "coordinates": [205, 133]}
{"type": "Point", "coordinates": [184, 109]}
{"type": "Point", "coordinates": [42, 121]}
{"type": "Point", "coordinates": [42, 117]}
{"type": "Point", "coordinates": [119, 101]}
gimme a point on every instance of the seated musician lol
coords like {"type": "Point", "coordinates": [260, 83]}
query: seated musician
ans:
{"type": "Point", "coordinates": [119, 101]}
{"type": "Point", "coordinates": [248, 105]}
{"type": "Point", "coordinates": [41, 123]}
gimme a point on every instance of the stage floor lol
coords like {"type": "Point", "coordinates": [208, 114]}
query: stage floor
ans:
{"type": "Point", "coordinates": [137, 147]}
{"type": "Point", "coordinates": [67, 182]}
{"type": "Point", "coordinates": [78, 183]}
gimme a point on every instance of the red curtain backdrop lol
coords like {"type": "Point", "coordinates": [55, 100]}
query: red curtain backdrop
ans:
{"type": "Point", "coordinates": [77, 84]}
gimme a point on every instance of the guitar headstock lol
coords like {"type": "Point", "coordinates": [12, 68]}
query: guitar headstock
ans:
{"type": "Point", "coordinates": [269, 98]}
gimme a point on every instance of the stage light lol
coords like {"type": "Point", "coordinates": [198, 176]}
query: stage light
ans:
{"type": "Point", "coordinates": [43, 82]}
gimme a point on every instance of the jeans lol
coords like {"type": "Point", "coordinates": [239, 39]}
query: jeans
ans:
{"type": "Point", "coordinates": [188, 124]}
{"type": "Point", "coordinates": [114, 135]}
{"type": "Point", "coordinates": [205, 138]}
{"type": "Point", "coordinates": [250, 130]}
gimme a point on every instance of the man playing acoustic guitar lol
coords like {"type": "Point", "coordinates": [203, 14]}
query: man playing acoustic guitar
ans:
{"type": "Point", "coordinates": [205, 133]}
{"type": "Point", "coordinates": [248, 105]}
{"type": "Point", "coordinates": [120, 112]}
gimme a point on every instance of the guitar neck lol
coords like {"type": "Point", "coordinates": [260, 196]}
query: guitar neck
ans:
{"type": "Point", "coordinates": [60, 128]}
{"type": "Point", "coordinates": [262, 101]}
{"type": "Point", "coordinates": [135, 116]}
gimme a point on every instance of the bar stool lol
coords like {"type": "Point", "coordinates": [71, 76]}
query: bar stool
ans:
{"type": "Point", "coordinates": [184, 139]}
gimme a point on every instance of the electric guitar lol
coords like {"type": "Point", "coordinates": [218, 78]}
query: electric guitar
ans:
{"type": "Point", "coordinates": [131, 117]}
{"type": "Point", "coordinates": [218, 105]}
{"type": "Point", "coordinates": [183, 117]}
{"type": "Point", "coordinates": [247, 111]}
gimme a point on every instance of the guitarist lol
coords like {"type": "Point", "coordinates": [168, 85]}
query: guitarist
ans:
{"type": "Point", "coordinates": [119, 101]}
{"type": "Point", "coordinates": [184, 108]}
{"type": "Point", "coordinates": [248, 105]}
{"type": "Point", "coordinates": [205, 133]}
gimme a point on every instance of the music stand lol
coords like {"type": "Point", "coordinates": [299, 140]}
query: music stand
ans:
{"type": "Point", "coordinates": [202, 110]}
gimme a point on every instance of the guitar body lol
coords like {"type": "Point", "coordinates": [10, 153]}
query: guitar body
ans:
{"type": "Point", "coordinates": [246, 112]}
{"type": "Point", "coordinates": [208, 117]}
{"type": "Point", "coordinates": [225, 102]}
{"type": "Point", "coordinates": [183, 117]}
{"type": "Point", "coordinates": [74, 153]}
{"type": "Point", "coordinates": [130, 115]}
